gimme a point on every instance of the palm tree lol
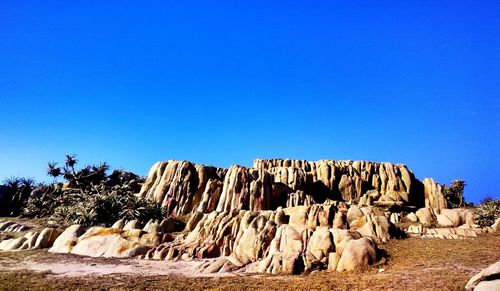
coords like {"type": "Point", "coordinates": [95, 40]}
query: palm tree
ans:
{"type": "Point", "coordinates": [69, 169]}
{"type": "Point", "coordinates": [71, 161]}
{"type": "Point", "coordinates": [53, 170]}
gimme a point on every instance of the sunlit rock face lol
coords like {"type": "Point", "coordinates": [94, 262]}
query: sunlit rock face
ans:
{"type": "Point", "coordinates": [284, 241]}
{"type": "Point", "coordinates": [184, 187]}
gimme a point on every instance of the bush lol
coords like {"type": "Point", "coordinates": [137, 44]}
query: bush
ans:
{"type": "Point", "coordinates": [14, 194]}
{"type": "Point", "coordinates": [487, 212]}
{"type": "Point", "coordinates": [454, 194]}
{"type": "Point", "coordinates": [90, 196]}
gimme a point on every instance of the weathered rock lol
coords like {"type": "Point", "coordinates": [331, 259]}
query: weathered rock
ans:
{"type": "Point", "coordinates": [394, 218]}
{"type": "Point", "coordinates": [455, 217]}
{"type": "Point", "coordinates": [412, 217]}
{"type": "Point", "coordinates": [193, 221]}
{"type": "Point", "coordinates": [353, 214]}
{"type": "Point", "coordinates": [487, 279]}
{"type": "Point", "coordinates": [112, 242]}
{"type": "Point", "coordinates": [184, 187]}
{"type": "Point", "coordinates": [152, 226]}
{"type": "Point", "coordinates": [321, 243]}
{"type": "Point", "coordinates": [133, 224]}
{"type": "Point", "coordinates": [357, 255]}
{"type": "Point", "coordinates": [67, 240]}
{"type": "Point", "coordinates": [333, 261]}
{"type": "Point", "coordinates": [425, 216]}
{"type": "Point", "coordinates": [46, 238]}
{"type": "Point", "coordinates": [377, 227]}
{"type": "Point", "coordinates": [31, 238]}
{"type": "Point", "coordinates": [12, 244]}
{"type": "Point", "coordinates": [496, 225]}
{"type": "Point", "coordinates": [434, 197]}
{"type": "Point", "coordinates": [10, 226]}
{"type": "Point", "coordinates": [289, 262]}
{"type": "Point", "coordinates": [415, 229]}
{"type": "Point", "coordinates": [119, 224]}
{"type": "Point", "coordinates": [341, 237]}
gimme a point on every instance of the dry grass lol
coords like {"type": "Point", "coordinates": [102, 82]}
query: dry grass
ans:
{"type": "Point", "coordinates": [414, 264]}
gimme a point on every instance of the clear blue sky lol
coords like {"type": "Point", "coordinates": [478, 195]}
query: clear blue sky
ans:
{"type": "Point", "coordinates": [221, 83]}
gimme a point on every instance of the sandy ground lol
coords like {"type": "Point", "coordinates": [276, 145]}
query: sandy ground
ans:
{"type": "Point", "coordinates": [67, 265]}
{"type": "Point", "coordinates": [413, 264]}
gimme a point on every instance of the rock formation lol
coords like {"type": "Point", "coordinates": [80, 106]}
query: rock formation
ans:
{"type": "Point", "coordinates": [287, 240]}
{"type": "Point", "coordinates": [35, 239]}
{"type": "Point", "coordinates": [184, 187]}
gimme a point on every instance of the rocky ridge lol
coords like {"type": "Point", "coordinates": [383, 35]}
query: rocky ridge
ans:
{"type": "Point", "coordinates": [184, 187]}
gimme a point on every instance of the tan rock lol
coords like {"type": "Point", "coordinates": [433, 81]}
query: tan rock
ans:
{"type": "Point", "coordinates": [119, 224]}
{"type": "Point", "coordinates": [321, 243]}
{"type": "Point", "coordinates": [434, 197]}
{"type": "Point", "coordinates": [67, 240]}
{"type": "Point", "coordinates": [412, 217]}
{"type": "Point", "coordinates": [487, 278]}
{"type": "Point", "coordinates": [108, 245]}
{"type": "Point", "coordinates": [358, 254]}
{"type": "Point", "coordinates": [133, 224]}
{"type": "Point", "coordinates": [333, 261]}
{"type": "Point", "coordinates": [12, 244]}
{"type": "Point", "coordinates": [46, 238]}
{"type": "Point", "coordinates": [425, 216]}
{"type": "Point", "coordinates": [496, 225]}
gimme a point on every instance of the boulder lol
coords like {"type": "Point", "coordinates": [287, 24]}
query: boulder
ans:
{"type": "Point", "coordinates": [321, 243]}
{"type": "Point", "coordinates": [358, 254]}
{"type": "Point", "coordinates": [412, 217]}
{"type": "Point", "coordinates": [487, 279]}
{"type": "Point", "coordinates": [12, 244]}
{"type": "Point", "coordinates": [46, 238]}
{"type": "Point", "coordinates": [496, 225]}
{"type": "Point", "coordinates": [353, 214]}
{"type": "Point", "coordinates": [333, 261]}
{"type": "Point", "coordinates": [119, 224]}
{"type": "Point", "coordinates": [133, 224]}
{"type": "Point", "coordinates": [68, 239]}
{"type": "Point", "coordinates": [425, 216]}
{"type": "Point", "coordinates": [107, 243]}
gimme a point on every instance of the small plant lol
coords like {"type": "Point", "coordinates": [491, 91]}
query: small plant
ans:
{"type": "Point", "coordinates": [454, 193]}
{"type": "Point", "coordinates": [487, 212]}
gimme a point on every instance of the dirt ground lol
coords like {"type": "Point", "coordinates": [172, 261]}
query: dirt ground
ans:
{"type": "Point", "coordinates": [413, 264]}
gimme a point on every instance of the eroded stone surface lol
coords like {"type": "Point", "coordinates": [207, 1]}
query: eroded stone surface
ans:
{"type": "Point", "coordinates": [184, 187]}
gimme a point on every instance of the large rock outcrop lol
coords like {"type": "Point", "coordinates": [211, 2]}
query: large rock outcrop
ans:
{"type": "Point", "coordinates": [184, 187]}
{"type": "Point", "coordinates": [289, 240]}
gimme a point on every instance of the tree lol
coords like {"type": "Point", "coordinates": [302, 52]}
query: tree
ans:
{"type": "Point", "coordinates": [53, 170]}
{"type": "Point", "coordinates": [454, 193]}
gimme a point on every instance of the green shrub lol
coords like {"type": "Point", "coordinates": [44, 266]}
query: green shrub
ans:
{"type": "Point", "coordinates": [487, 212]}
{"type": "Point", "coordinates": [89, 196]}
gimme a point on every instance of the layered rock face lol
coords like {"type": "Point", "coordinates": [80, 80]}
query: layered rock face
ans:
{"type": "Point", "coordinates": [184, 187]}
{"type": "Point", "coordinates": [289, 240]}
